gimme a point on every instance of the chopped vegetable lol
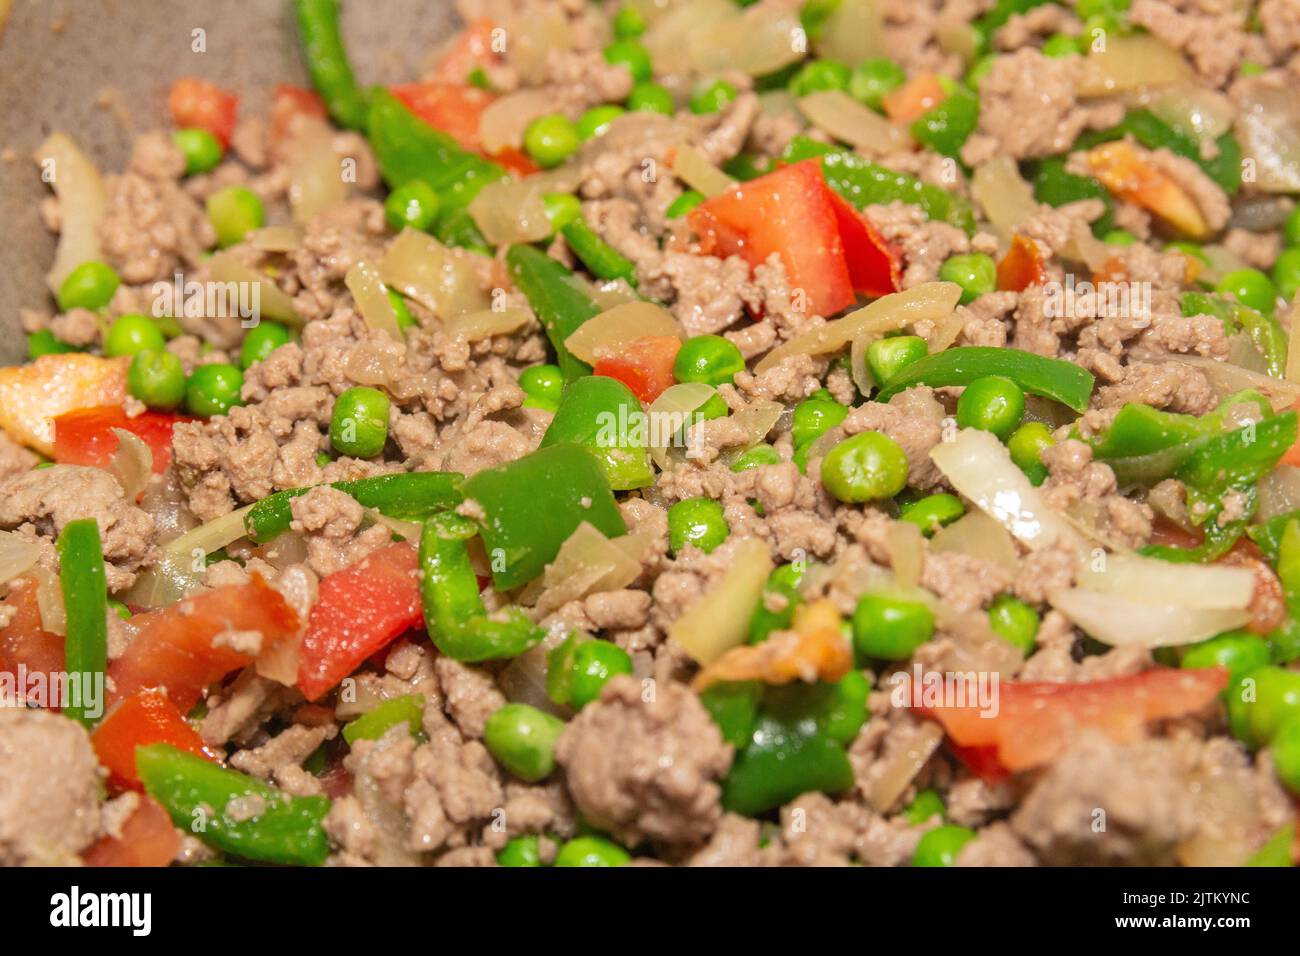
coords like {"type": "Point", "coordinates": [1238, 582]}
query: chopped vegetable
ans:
{"type": "Point", "coordinates": [814, 649]}
{"type": "Point", "coordinates": [645, 365]}
{"type": "Point", "coordinates": [1062, 381]}
{"type": "Point", "coordinates": [88, 436]}
{"type": "Point", "coordinates": [85, 598]}
{"type": "Point", "coordinates": [198, 104]}
{"type": "Point", "coordinates": [373, 724]}
{"type": "Point", "coordinates": [82, 197]}
{"type": "Point", "coordinates": [560, 305]}
{"type": "Point", "coordinates": [146, 717]}
{"type": "Point", "coordinates": [33, 395]}
{"type": "Point", "coordinates": [602, 415]}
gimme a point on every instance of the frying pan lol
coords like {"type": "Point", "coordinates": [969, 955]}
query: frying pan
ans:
{"type": "Point", "coordinates": [99, 70]}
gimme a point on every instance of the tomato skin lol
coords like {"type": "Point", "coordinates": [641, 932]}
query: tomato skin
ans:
{"type": "Point", "coordinates": [148, 839]}
{"type": "Point", "coordinates": [358, 611]}
{"type": "Point", "coordinates": [85, 437]}
{"type": "Point", "coordinates": [23, 641]}
{"type": "Point", "coordinates": [289, 102]}
{"type": "Point", "coordinates": [456, 108]}
{"type": "Point", "coordinates": [176, 648]}
{"type": "Point", "coordinates": [146, 717]}
{"type": "Point", "coordinates": [645, 366]}
{"type": "Point", "coordinates": [472, 50]}
{"type": "Point", "coordinates": [788, 212]}
{"type": "Point", "coordinates": [919, 94]}
{"type": "Point", "coordinates": [875, 267]}
{"type": "Point", "coordinates": [1022, 266]}
{"type": "Point", "coordinates": [197, 103]}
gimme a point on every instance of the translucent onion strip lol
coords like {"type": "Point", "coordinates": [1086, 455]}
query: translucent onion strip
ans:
{"type": "Point", "coordinates": [17, 554]}
{"type": "Point", "coordinates": [719, 620]}
{"type": "Point", "coordinates": [180, 568]}
{"type": "Point", "coordinates": [690, 166]}
{"type": "Point", "coordinates": [131, 464]}
{"type": "Point", "coordinates": [315, 171]}
{"type": "Point", "coordinates": [275, 303]}
{"type": "Point", "coordinates": [444, 281]}
{"type": "Point", "coordinates": [614, 329]}
{"type": "Point", "coordinates": [82, 200]}
{"type": "Point", "coordinates": [486, 323]}
{"type": "Point", "coordinates": [670, 412]}
{"type": "Point", "coordinates": [372, 299]}
{"type": "Point", "coordinates": [848, 120]}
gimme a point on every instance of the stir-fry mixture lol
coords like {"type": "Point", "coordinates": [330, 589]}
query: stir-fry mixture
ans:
{"type": "Point", "coordinates": [679, 431]}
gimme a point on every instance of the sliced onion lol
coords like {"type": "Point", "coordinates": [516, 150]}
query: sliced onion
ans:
{"type": "Point", "coordinates": [372, 299]}
{"type": "Point", "coordinates": [1130, 63]}
{"type": "Point", "coordinates": [859, 370]}
{"type": "Point", "coordinates": [668, 39]}
{"type": "Point", "coordinates": [1279, 492]}
{"type": "Point", "coordinates": [613, 330]}
{"type": "Point", "coordinates": [276, 239]}
{"type": "Point", "coordinates": [511, 211]}
{"type": "Point", "coordinates": [839, 114]}
{"type": "Point", "coordinates": [851, 33]}
{"type": "Point", "coordinates": [719, 620]}
{"type": "Point", "coordinates": [1268, 124]}
{"type": "Point", "coordinates": [954, 34]}
{"type": "Point", "coordinates": [315, 180]}
{"type": "Point", "coordinates": [1003, 194]}
{"type": "Point", "coordinates": [604, 294]}
{"type": "Point", "coordinates": [534, 35]}
{"type": "Point", "coordinates": [442, 280]}
{"type": "Point", "coordinates": [761, 40]}
{"type": "Point", "coordinates": [930, 301]}
{"type": "Point", "coordinates": [501, 125]}
{"type": "Point", "coordinates": [670, 412]}
{"type": "Point", "coordinates": [1226, 379]}
{"type": "Point", "coordinates": [902, 765]}
{"type": "Point", "coordinates": [1222, 260]}
{"type": "Point", "coordinates": [944, 332]}
{"type": "Point", "coordinates": [82, 200]}
{"type": "Point", "coordinates": [977, 535]}
{"type": "Point", "coordinates": [1121, 622]}
{"type": "Point", "coordinates": [587, 563]}
{"type": "Point", "coordinates": [906, 547]}
{"type": "Point", "coordinates": [486, 323]}
{"type": "Point", "coordinates": [1195, 110]}
{"type": "Point", "coordinates": [1137, 578]}
{"type": "Point", "coordinates": [274, 302]}
{"type": "Point", "coordinates": [131, 464]}
{"type": "Point", "coordinates": [754, 421]}
{"type": "Point", "coordinates": [690, 166]}
{"type": "Point", "coordinates": [408, 530]}
{"type": "Point", "coordinates": [1259, 213]}
{"type": "Point", "coordinates": [979, 467]}
{"type": "Point", "coordinates": [49, 600]}
{"type": "Point", "coordinates": [180, 568]}
{"type": "Point", "coordinates": [166, 503]}
{"type": "Point", "coordinates": [17, 554]}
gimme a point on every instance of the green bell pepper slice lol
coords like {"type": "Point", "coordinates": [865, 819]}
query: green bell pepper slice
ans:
{"type": "Point", "coordinates": [1277, 851]}
{"type": "Point", "coordinates": [603, 416]}
{"type": "Point", "coordinates": [373, 724]}
{"type": "Point", "coordinates": [839, 709]}
{"type": "Point", "coordinates": [733, 705]}
{"type": "Point", "coordinates": [559, 303]}
{"type": "Point", "coordinates": [1268, 535]}
{"type": "Point", "coordinates": [85, 598]}
{"type": "Point", "coordinates": [196, 793]}
{"type": "Point", "coordinates": [1057, 187]}
{"type": "Point", "coordinates": [327, 61]}
{"type": "Point", "coordinates": [1284, 642]}
{"type": "Point", "coordinates": [946, 126]}
{"type": "Point", "coordinates": [602, 259]}
{"type": "Point", "coordinates": [1051, 378]}
{"type": "Point", "coordinates": [783, 581]}
{"type": "Point", "coordinates": [782, 760]}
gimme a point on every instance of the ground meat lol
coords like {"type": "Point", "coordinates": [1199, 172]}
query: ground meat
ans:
{"type": "Point", "coordinates": [330, 520]}
{"type": "Point", "coordinates": [49, 789]}
{"type": "Point", "coordinates": [1075, 479]}
{"type": "Point", "coordinates": [471, 695]}
{"type": "Point", "coordinates": [914, 419]}
{"type": "Point", "coordinates": [1169, 385]}
{"type": "Point", "coordinates": [14, 458]}
{"type": "Point", "coordinates": [280, 759]}
{"type": "Point", "coordinates": [646, 769]}
{"type": "Point", "coordinates": [1212, 34]}
{"type": "Point", "coordinates": [996, 845]}
{"type": "Point", "coordinates": [924, 244]}
{"type": "Point", "coordinates": [1257, 249]}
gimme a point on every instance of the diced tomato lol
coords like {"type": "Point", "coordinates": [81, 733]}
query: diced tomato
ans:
{"type": "Point", "coordinates": [453, 108]}
{"type": "Point", "coordinates": [197, 103]}
{"type": "Point", "coordinates": [146, 717]}
{"type": "Point", "coordinates": [981, 761]}
{"type": "Point", "coordinates": [1036, 721]}
{"type": "Point", "coordinates": [918, 95]}
{"type": "Point", "coordinates": [289, 102]}
{"type": "Point", "coordinates": [33, 395]}
{"type": "Point", "coordinates": [179, 649]}
{"type": "Point", "coordinates": [358, 610]}
{"type": "Point", "coordinates": [515, 160]}
{"type": "Point", "coordinates": [788, 212]}
{"type": "Point", "coordinates": [86, 437]}
{"type": "Point", "coordinates": [875, 267]}
{"type": "Point", "coordinates": [645, 366]}
{"type": "Point", "coordinates": [148, 839]}
{"type": "Point", "coordinates": [471, 51]}
{"type": "Point", "coordinates": [1022, 266]}
{"type": "Point", "coordinates": [23, 641]}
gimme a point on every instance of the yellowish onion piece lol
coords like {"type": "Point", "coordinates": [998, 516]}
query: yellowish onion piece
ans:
{"type": "Point", "coordinates": [1121, 622]}
{"type": "Point", "coordinates": [180, 568]}
{"type": "Point", "coordinates": [930, 301]}
{"type": "Point", "coordinates": [372, 299]}
{"type": "Point", "coordinates": [1130, 63]}
{"type": "Point", "coordinates": [524, 679]}
{"type": "Point", "coordinates": [408, 530]}
{"type": "Point", "coordinates": [1196, 110]}
{"type": "Point", "coordinates": [49, 600]}
{"type": "Point", "coordinates": [534, 34]}
{"type": "Point", "coordinates": [753, 423]}
{"type": "Point", "coordinates": [902, 764]}
{"type": "Point", "coordinates": [17, 554]}
{"type": "Point", "coordinates": [315, 176]}
{"type": "Point", "coordinates": [614, 329]}
{"type": "Point", "coordinates": [719, 620]}
{"type": "Point", "coordinates": [605, 294]}
{"type": "Point", "coordinates": [761, 40]}
{"type": "Point", "coordinates": [954, 34]}
{"type": "Point", "coordinates": [131, 464]}
{"type": "Point", "coordinates": [668, 38]}
{"type": "Point", "coordinates": [859, 370]}
{"type": "Point", "coordinates": [273, 302]}
{"type": "Point", "coordinates": [442, 280]}
{"type": "Point", "coordinates": [1004, 196]}
{"type": "Point", "coordinates": [1136, 578]}
{"type": "Point", "coordinates": [906, 547]}
{"type": "Point", "coordinates": [502, 124]}
{"type": "Point", "coordinates": [1279, 492]}
{"type": "Point", "coordinates": [1226, 379]}
{"type": "Point", "coordinates": [977, 535]}
{"type": "Point", "coordinates": [300, 587]}
{"type": "Point", "coordinates": [276, 239]}
{"type": "Point", "coordinates": [814, 648]}
{"type": "Point", "coordinates": [1222, 260]}
{"type": "Point", "coordinates": [671, 412]}
{"type": "Point", "coordinates": [690, 166]}
{"type": "Point", "coordinates": [839, 114]}
{"type": "Point", "coordinates": [1268, 124]}
{"type": "Point", "coordinates": [943, 333]}
{"type": "Point", "coordinates": [587, 563]}
{"type": "Point", "coordinates": [82, 200]}
{"type": "Point", "coordinates": [511, 211]}
{"type": "Point", "coordinates": [473, 326]}
{"type": "Point", "coordinates": [851, 33]}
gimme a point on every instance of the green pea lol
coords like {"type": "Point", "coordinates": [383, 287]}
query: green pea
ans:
{"type": "Point", "coordinates": [633, 55]}
{"type": "Point", "coordinates": [1015, 621]}
{"type": "Point", "coordinates": [683, 204]}
{"type": "Point", "coordinates": [157, 378]}
{"type": "Point", "coordinates": [1286, 273]}
{"type": "Point", "coordinates": [992, 403]}
{"type": "Point", "coordinates": [696, 521]}
{"type": "Point", "coordinates": [872, 79]}
{"type": "Point", "coordinates": [817, 75]}
{"type": "Point", "coordinates": [890, 628]}
{"type": "Point", "coordinates": [478, 77]}
{"type": "Point", "coordinates": [708, 358]}
{"type": "Point", "coordinates": [213, 389]}
{"type": "Point", "coordinates": [1098, 8]}
{"type": "Point", "coordinates": [934, 512]}
{"type": "Point", "coordinates": [201, 149]}
{"type": "Point", "coordinates": [628, 23]}
{"type": "Point", "coordinates": [412, 204]}
{"type": "Point", "coordinates": [595, 122]}
{"type": "Point", "coordinates": [1119, 237]}
{"type": "Point", "coordinates": [1261, 701]}
{"type": "Point", "coordinates": [1061, 45]}
{"type": "Point", "coordinates": [400, 311]}
{"type": "Point", "coordinates": [1291, 227]}
{"type": "Point", "coordinates": [120, 609]}
{"type": "Point", "coordinates": [975, 272]}
{"type": "Point", "coordinates": [130, 334]}
{"type": "Point", "coordinates": [1026, 445]}
{"type": "Point", "coordinates": [940, 846]}
{"type": "Point", "coordinates": [715, 407]}
{"type": "Point", "coordinates": [594, 663]}
{"type": "Point", "coordinates": [651, 97]}
{"type": "Point", "coordinates": [869, 466]}
{"type": "Point", "coordinates": [1239, 651]}
{"type": "Point", "coordinates": [1189, 249]}
{"type": "Point", "coordinates": [561, 209]}
{"type": "Point", "coordinates": [542, 384]}
{"type": "Point", "coordinates": [756, 457]}
{"type": "Point", "coordinates": [44, 343]}
{"type": "Point", "coordinates": [359, 423]}
{"type": "Point", "coordinates": [1251, 287]}
{"type": "Point", "coordinates": [89, 286]}
{"type": "Point", "coordinates": [550, 140]}
{"type": "Point", "coordinates": [1285, 749]}
{"type": "Point", "coordinates": [712, 97]}
{"type": "Point", "coordinates": [235, 212]}
{"type": "Point", "coordinates": [261, 340]}
{"type": "Point", "coordinates": [975, 75]}
{"type": "Point", "coordinates": [926, 805]}
{"type": "Point", "coordinates": [591, 851]}
{"type": "Point", "coordinates": [521, 851]}
{"type": "Point", "coordinates": [522, 739]}
{"type": "Point", "coordinates": [887, 357]}
{"type": "Point", "coordinates": [814, 417]}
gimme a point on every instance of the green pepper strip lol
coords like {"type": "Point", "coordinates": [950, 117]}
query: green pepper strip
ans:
{"type": "Point", "coordinates": [604, 261]}
{"type": "Point", "coordinates": [1277, 851]}
{"type": "Point", "coordinates": [197, 793]}
{"type": "Point", "coordinates": [1268, 535]}
{"type": "Point", "coordinates": [560, 304]}
{"type": "Point", "coordinates": [327, 61]}
{"type": "Point", "coordinates": [864, 183]}
{"type": "Point", "coordinates": [85, 598]}
{"type": "Point", "coordinates": [1050, 378]}
{"type": "Point", "coordinates": [410, 497]}
{"type": "Point", "coordinates": [454, 613]}
{"type": "Point", "coordinates": [373, 724]}
{"type": "Point", "coordinates": [1285, 640]}
{"type": "Point", "coordinates": [946, 126]}
{"type": "Point", "coordinates": [1264, 330]}
{"type": "Point", "coordinates": [1057, 187]}
{"type": "Point", "coordinates": [602, 415]}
